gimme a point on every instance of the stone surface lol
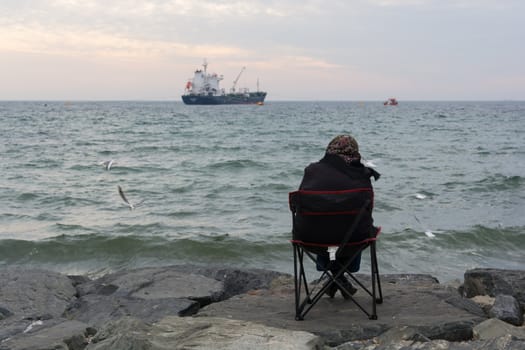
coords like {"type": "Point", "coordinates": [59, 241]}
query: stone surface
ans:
{"type": "Point", "coordinates": [147, 293]}
{"type": "Point", "coordinates": [501, 343]}
{"type": "Point", "coordinates": [494, 328]}
{"type": "Point", "coordinates": [67, 335]}
{"type": "Point", "coordinates": [96, 310]}
{"type": "Point", "coordinates": [33, 294]}
{"type": "Point", "coordinates": [507, 308]}
{"type": "Point", "coordinates": [415, 301]}
{"type": "Point", "coordinates": [200, 333]}
{"type": "Point", "coordinates": [153, 293]}
{"type": "Point", "coordinates": [236, 281]}
{"type": "Point", "coordinates": [493, 282]}
{"type": "Point", "coordinates": [29, 295]}
{"type": "Point", "coordinates": [124, 333]}
{"type": "Point", "coordinates": [484, 301]}
{"type": "Point", "coordinates": [143, 305]}
{"type": "Point", "coordinates": [397, 334]}
{"type": "Point", "coordinates": [156, 283]}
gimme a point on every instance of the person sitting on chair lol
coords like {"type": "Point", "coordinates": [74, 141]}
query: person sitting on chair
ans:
{"type": "Point", "coordinates": [341, 169]}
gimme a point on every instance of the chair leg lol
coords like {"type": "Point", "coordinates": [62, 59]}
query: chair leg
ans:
{"type": "Point", "coordinates": [311, 297]}
{"type": "Point", "coordinates": [299, 282]}
{"type": "Point", "coordinates": [296, 280]}
{"type": "Point", "coordinates": [372, 268]}
{"type": "Point", "coordinates": [376, 284]}
{"type": "Point", "coordinates": [375, 270]}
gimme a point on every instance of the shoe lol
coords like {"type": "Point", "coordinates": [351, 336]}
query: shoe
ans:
{"type": "Point", "coordinates": [331, 290]}
{"type": "Point", "coordinates": [348, 290]}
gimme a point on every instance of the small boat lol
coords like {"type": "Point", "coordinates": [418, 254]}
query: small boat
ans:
{"type": "Point", "coordinates": [390, 102]}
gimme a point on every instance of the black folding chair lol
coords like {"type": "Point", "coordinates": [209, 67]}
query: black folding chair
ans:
{"type": "Point", "coordinates": [326, 222]}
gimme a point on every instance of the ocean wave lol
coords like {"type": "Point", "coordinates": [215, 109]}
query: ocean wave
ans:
{"type": "Point", "coordinates": [236, 164]}
{"type": "Point", "coordinates": [65, 201]}
{"type": "Point", "coordinates": [140, 229]}
{"type": "Point", "coordinates": [94, 252]}
{"type": "Point", "coordinates": [448, 254]}
{"type": "Point", "coordinates": [14, 217]}
{"type": "Point", "coordinates": [27, 196]}
{"type": "Point", "coordinates": [498, 182]}
{"type": "Point", "coordinates": [483, 238]}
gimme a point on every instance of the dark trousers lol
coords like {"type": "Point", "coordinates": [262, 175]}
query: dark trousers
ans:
{"type": "Point", "coordinates": [323, 261]}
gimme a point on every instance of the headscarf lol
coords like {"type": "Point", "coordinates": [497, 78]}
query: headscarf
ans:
{"type": "Point", "coordinates": [346, 147]}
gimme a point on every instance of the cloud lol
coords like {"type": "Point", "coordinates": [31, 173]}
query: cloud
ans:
{"type": "Point", "coordinates": [98, 44]}
{"type": "Point", "coordinates": [398, 2]}
{"type": "Point", "coordinates": [305, 62]}
{"type": "Point", "coordinates": [198, 9]}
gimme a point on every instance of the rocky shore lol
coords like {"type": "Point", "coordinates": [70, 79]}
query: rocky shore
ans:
{"type": "Point", "coordinates": [192, 307]}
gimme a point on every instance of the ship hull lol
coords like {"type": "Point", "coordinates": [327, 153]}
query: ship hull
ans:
{"type": "Point", "coordinates": [229, 99]}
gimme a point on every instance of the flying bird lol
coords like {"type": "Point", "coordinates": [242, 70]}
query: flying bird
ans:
{"type": "Point", "coordinates": [428, 233]}
{"type": "Point", "coordinates": [129, 204]}
{"type": "Point", "coordinates": [420, 196]}
{"type": "Point", "coordinates": [107, 164]}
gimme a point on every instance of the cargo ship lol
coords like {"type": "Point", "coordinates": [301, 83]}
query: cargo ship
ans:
{"type": "Point", "coordinates": [204, 89]}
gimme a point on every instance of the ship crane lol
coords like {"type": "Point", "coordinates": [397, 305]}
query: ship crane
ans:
{"type": "Point", "coordinates": [237, 79]}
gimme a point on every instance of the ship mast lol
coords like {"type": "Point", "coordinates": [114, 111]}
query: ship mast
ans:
{"type": "Point", "coordinates": [205, 75]}
{"type": "Point", "coordinates": [237, 79]}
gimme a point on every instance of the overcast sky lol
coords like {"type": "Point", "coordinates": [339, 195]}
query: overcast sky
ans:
{"type": "Point", "coordinates": [298, 49]}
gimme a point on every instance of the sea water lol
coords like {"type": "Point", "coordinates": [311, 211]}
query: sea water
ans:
{"type": "Point", "coordinates": [215, 182]}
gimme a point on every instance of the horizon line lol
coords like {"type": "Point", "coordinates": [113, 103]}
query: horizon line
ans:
{"type": "Point", "coordinates": [279, 100]}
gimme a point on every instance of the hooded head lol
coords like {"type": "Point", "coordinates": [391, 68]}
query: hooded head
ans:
{"type": "Point", "coordinates": [346, 147]}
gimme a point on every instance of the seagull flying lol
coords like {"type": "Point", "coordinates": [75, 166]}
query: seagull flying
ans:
{"type": "Point", "coordinates": [123, 196]}
{"type": "Point", "coordinates": [430, 234]}
{"type": "Point", "coordinates": [107, 164]}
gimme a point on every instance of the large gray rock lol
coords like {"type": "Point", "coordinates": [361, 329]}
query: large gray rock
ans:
{"type": "Point", "coordinates": [415, 301]}
{"type": "Point", "coordinates": [208, 284]}
{"type": "Point", "coordinates": [66, 335]}
{"type": "Point", "coordinates": [96, 310]}
{"type": "Point", "coordinates": [398, 334]}
{"type": "Point", "coordinates": [156, 283]}
{"type": "Point", "coordinates": [29, 295]}
{"type": "Point", "coordinates": [199, 333]}
{"type": "Point", "coordinates": [494, 328]}
{"type": "Point", "coordinates": [33, 293]}
{"type": "Point", "coordinates": [507, 308]}
{"type": "Point", "coordinates": [148, 294]}
{"type": "Point", "coordinates": [155, 292]}
{"type": "Point", "coordinates": [506, 342]}
{"type": "Point", "coordinates": [236, 281]}
{"type": "Point", "coordinates": [124, 333]}
{"type": "Point", "coordinates": [494, 282]}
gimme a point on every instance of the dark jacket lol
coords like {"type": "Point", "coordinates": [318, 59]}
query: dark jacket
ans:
{"type": "Point", "coordinates": [332, 173]}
